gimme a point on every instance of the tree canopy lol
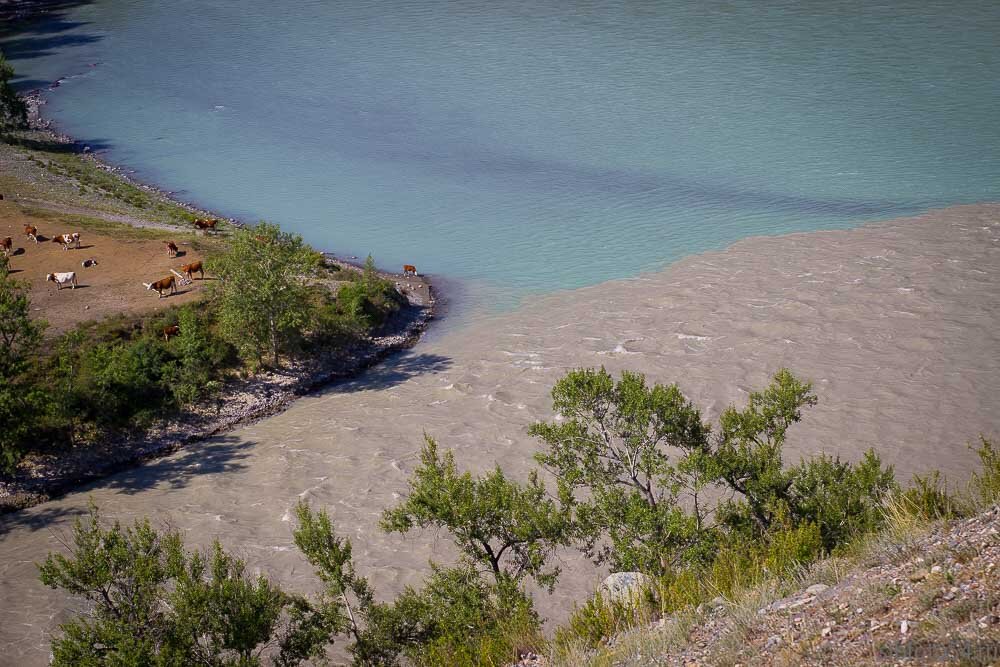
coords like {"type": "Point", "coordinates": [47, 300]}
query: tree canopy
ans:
{"type": "Point", "coordinates": [263, 293]}
{"type": "Point", "coordinates": [13, 110]}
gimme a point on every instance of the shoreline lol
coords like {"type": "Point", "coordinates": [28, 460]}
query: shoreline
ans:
{"type": "Point", "coordinates": [245, 401]}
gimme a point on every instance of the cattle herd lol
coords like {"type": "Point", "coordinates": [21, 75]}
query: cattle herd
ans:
{"type": "Point", "coordinates": [71, 240]}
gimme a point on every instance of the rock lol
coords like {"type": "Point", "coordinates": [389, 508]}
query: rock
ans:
{"type": "Point", "coordinates": [772, 642]}
{"type": "Point", "coordinates": [904, 627]}
{"type": "Point", "coordinates": [919, 575]}
{"type": "Point", "coordinates": [935, 569]}
{"type": "Point", "coordinates": [816, 589]}
{"type": "Point", "coordinates": [625, 586]}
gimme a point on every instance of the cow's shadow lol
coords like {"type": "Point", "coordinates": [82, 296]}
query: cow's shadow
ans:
{"type": "Point", "coordinates": [17, 251]}
{"type": "Point", "coordinates": [84, 247]}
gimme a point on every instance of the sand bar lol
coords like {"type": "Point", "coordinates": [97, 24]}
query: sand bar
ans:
{"type": "Point", "coordinates": [896, 323]}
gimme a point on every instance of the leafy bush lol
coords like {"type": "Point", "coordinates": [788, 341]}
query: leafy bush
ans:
{"type": "Point", "coordinates": [153, 603]}
{"type": "Point", "coordinates": [456, 618]}
{"type": "Point", "coordinates": [842, 500]}
{"type": "Point", "coordinates": [368, 301]}
{"type": "Point", "coordinates": [20, 396]}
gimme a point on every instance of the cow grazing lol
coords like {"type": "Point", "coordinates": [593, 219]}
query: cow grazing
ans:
{"type": "Point", "coordinates": [163, 285]}
{"type": "Point", "coordinates": [170, 331]}
{"type": "Point", "coordinates": [87, 263]}
{"type": "Point", "coordinates": [409, 270]}
{"type": "Point", "coordinates": [193, 267]}
{"type": "Point", "coordinates": [7, 245]}
{"type": "Point", "coordinates": [171, 249]}
{"type": "Point", "coordinates": [67, 240]}
{"type": "Point", "coordinates": [31, 232]}
{"type": "Point", "coordinates": [205, 223]}
{"type": "Point", "coordinates": [60, 279]}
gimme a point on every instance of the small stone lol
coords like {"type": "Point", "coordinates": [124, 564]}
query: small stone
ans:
{"type": "Point", "coordinates": [935, 569]}
{"type": "Point", "coordinates": [825, 632]}
{"type": "Point", "coordinates": [919, 575]}
{"type": "Point", "coordinates": [772, 642]}
{"type": "Point", "coordinates": [816, 589]}
{"type": "Point", "coordinates": [904, 627]}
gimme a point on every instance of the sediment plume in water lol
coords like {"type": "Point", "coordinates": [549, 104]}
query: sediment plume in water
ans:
{"type": "Point", "coordinates": [895, 323]}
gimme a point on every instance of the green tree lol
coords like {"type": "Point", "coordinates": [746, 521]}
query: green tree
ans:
{"type": "Point", "coordinates": [497, 523]}
{"type": "Point", "coordinates": [368, 301]}
{"type": "Point", "coordinates": [264, 297]}
{"type": "Point", "coordinates": [153, 603]}
{"type": "Point", "coordinates": [13, 110]}
{"type": "Point", "coordinates": [624, 453]}
{"type": "Point", "coordinates": [347, 597]}
{"type": "Point", "coordinates": [20, 397]}
{"type": "Point", "coordinates": [747, 456]}
{"type": "Point", "coordinates": [458, 616]}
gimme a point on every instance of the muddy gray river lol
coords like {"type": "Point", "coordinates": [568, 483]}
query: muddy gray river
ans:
{"type": "Point", "coordinates": [895, 323]}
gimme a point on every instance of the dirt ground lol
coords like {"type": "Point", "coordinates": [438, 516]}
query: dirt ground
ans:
{"type": "Point", "coordinates": [113, 286]}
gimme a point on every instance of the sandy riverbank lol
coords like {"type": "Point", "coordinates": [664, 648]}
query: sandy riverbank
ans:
{"type": "Point", "coordinates": [896, 323]}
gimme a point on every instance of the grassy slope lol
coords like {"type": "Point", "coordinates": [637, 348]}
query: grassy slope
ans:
{"type": "Point", "coordinates": [918, 593]}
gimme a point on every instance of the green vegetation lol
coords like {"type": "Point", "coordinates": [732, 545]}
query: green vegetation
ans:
{"type": "Point", "coordinates": [508, 529]}
{"type": "Point", "coordinates": [154, 603]}
{"type": "Point", "coordinates": [122, 372]}
{"type": "Point", "coordinates": [634, 464]}
{"type": "Point", "coordinates": [263, 296]}
{"type": "Point", "coordinates": [20, 338]}
{"type": "Point", "coordinates": [13, 111]}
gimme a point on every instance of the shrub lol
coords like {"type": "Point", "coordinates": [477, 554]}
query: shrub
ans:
{"type": "Point", "coordinates": [985, 485]}
{"type": "Point", "coordinates": [369, 301]}
{"type": "Point", "coordinates": [456, 618]}
{"type": "Point", "coordinates": [600, 619]}
{"type": "Point", "coordinates": [928, 498]}
{"type": "Point", "coordinates": [20, 396]}
{"type": "Point", "coordinates": [151, 602]}
{"type": "Point", "coordinates": [842, 500]}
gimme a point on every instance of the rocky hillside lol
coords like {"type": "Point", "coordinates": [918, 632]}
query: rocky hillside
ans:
{"type": "Point", "coordinates": [915, 596]}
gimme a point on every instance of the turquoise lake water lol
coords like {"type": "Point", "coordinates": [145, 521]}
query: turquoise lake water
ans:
{"type": "Point", "coordinates": [526, 146]}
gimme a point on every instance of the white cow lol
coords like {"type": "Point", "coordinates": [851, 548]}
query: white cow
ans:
{"type": "Point", "coordinates": [60, 279]}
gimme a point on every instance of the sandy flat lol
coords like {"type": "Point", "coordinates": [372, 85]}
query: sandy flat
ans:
{"type": "Point", "coordinates": [897, 324]}
{"type": "Point", "coordinates": [112, 287]}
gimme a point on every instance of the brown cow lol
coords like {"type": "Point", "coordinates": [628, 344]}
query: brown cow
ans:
{"type": "Point", "coordinates": [171, 249]}
{"type": "Point", "coordinates": [172, 330]}
{"type": "Point", "coordinates": [67, 240]}
{"type": "Point", "coordinates": [205, 223]}
{"type": "Point", "coordinates": [161, 285]}
{"type": "Point", "coordinates": [7, 245]}
{"type": "Point", "coordinates": [409, 270]}
{"type": "Point", "coordinates": [31, 232]}
{"type": "Point", "coordinates": [193, 267]}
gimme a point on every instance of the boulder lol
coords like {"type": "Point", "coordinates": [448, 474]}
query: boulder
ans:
{"type": "Point", "coordinates": [625, 586]}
